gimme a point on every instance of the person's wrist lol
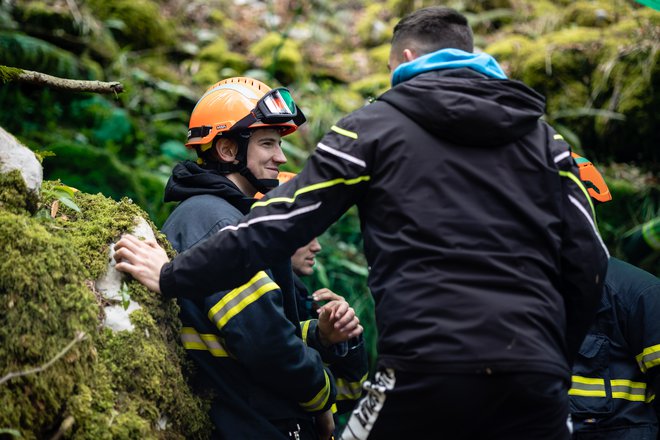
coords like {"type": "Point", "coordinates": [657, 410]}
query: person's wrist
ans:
{"type": "Point", "coordinates": [323, 339]}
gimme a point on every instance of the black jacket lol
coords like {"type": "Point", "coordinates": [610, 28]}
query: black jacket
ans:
{"type": "Point", "coordinates": [483, 251]}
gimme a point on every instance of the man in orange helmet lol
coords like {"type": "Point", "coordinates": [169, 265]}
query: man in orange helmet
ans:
{"type": "Point", "coordinates": [263, 371]}
{"type": "Point", "coordinates": [616, 374]}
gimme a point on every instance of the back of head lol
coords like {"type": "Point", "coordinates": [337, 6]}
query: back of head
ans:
{"type": "Point", "coordinates": [430, 29]}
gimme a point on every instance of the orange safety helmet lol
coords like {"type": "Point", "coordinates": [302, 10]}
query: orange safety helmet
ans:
{"type": "Point", "coordinates": [282, 176]}
{"type": "Point", "coordinates": [223, 105]}
{"type": "Point", "coordinates": [593, 180]}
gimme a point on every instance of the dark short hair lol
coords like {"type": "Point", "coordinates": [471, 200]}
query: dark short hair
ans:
{"type": "Point", "coordinates": [430, 29]}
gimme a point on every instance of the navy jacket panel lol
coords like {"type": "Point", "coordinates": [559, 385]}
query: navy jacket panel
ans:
{"type": "Point", "coordinates": [615, 375]}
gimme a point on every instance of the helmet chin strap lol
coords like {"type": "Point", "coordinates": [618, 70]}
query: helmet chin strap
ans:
{"type": "Point", "coordinates": [242, 141]}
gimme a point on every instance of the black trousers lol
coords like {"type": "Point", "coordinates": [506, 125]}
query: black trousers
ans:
{"type": "Point", "coordinates": [519, 406]}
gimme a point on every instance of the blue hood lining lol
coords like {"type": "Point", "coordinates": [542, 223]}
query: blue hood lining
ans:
{"type": "Point", "coordinates": [448, 59]}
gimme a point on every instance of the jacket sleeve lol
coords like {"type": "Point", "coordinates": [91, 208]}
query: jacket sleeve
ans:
{"type": "Point", "coordinates": [258, 335]}
{"type": "Point", "coordinates": [350, 372]}
{"type": "Point", "coordinates": [335, 177]}
{"type": "Point", "coordinates": [349, 365]}
{"type": "Point", "coordinates": [583, 253]}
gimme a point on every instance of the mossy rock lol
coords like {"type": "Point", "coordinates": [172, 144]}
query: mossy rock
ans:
{"type": "Point", "coordinates": [372, 27]}
{"type": "Point", "coordinates": [372, 86]}
{"type": "Point", "coordinates": [79, 32]}
{"type": "Point", "coordinates": [280, 56]}
{"type": "Point", "coordinates": [510, 51]}
{"type": "Point", "coordinates": [42, 15]}
{"type": "Point", "coordinates": [137, 23]}
{"type": "Point", "coordinates": [63, 371]}
{"type": "Point", "coordinates": [15, 196]}
{"type": "Point", "coordinates": [219, 53]}
{"type": "Point", "coordinates": [380, 55]}
{"type": "Point", "coordinates": [591, 13]}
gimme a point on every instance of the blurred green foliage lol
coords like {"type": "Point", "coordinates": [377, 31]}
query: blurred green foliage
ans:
{"type": "Point", "coordinates": [595, 60]}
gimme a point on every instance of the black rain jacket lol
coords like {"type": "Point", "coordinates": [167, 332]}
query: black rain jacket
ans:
{"type": "Point", "coordinates": [482, 246]}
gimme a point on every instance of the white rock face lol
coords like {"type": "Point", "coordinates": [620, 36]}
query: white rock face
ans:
{"type": "Point", "coordinates": [15, 156]}
{"type": "Point", "coordinates": [116, 317]}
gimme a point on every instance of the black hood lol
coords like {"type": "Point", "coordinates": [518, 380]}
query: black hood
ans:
{"type": "Point", "coordinates": [468, 108]}
{"type": "Point", "coordinates": [189, 179]}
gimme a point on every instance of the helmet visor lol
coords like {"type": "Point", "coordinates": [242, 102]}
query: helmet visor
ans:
{"type": "Point", "coordinates": [275, 107]}
{"type": "Point", "coordinates": [277, 102]}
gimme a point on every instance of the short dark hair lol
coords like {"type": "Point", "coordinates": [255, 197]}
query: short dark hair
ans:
{"type": "Point", "coordinates": [430, 29]}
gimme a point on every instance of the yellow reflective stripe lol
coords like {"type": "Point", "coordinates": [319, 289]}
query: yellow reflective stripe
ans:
{"type": "Point", "coordinates": [318, 402]}
{"type": "Point", "coordinates": [649, 358]}
{"type": "Point", "coordinates": [192, 340]}
{"type": "Point", "coordinates": [628, 390]}
{"type": "Point", "coordinates": [313, 187]}
{"type": "Point", "coordinates": [305, 329]}
{"type": "Point", "coordinates": [621, 389]}
{"type": "Point", "coordinates": [347, 390]}
{"type": "Point", "coordinates": [579, 183]}
{"type": "Point", "coordinates": [333, 408]}
{"type": "Point", "coordinates": [344, 132]}
{"type": "Point", "coordinates": [588, 380]}
{"type": "Point", "coordinates": [557, 136]}
{"type": "Point", "coordinates": [587, 386]}
{"type": "Point", "coordinates": [236, 300]}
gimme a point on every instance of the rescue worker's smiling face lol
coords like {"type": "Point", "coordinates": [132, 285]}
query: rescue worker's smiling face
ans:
{"type": "Point", "coordinates": [265, 155]}
{"type": "Point", "coordinates": [302, 262]}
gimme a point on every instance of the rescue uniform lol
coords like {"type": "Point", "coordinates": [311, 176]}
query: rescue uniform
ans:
{"type": "Point", "coordinates": [480, 238]}
{"type": "Point", "coordinates": [247, 342]}
{"type": "Point", "coordinates": [616, 376]}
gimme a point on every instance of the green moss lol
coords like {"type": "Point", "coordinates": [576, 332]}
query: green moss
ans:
{"type": "Point", "coordinates": [380, 56]}
{"type": "Point", "coordinates": [372, 28]}
{"type": "Point", "coordinates": [510, 51]}
{"type": "Point", "coordinates": [136, 22]}
{"type": "Point", "coordinates": [372, 85]}
{"type": "Point", "coordinates": [280, 56]}
{"type": "Point", "coordinates": [9, 74]}
{"type": "Point", "coordinates": [218, 52]}
{"type": "Point", "coordinates": [45, 303]}
{"type": "Point", "coordinates": [113, 385]}
{"type": "Point", "coordinates": [43, 16]}
{"type": "Point", "coordinates": [591, 13]}
{"type": "Point", "coordinates": [14, 195]}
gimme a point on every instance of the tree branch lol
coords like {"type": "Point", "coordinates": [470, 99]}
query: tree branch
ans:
{"type": "Point", "coordinates": [53, 82]}
{"type": "Point", "coordinates": [79, 337]}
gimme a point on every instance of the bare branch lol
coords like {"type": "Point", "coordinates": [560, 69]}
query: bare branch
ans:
{"type": "Point", "coordinates": [79, 337]}
{"type": "Point", "coordinates": [54, 82]}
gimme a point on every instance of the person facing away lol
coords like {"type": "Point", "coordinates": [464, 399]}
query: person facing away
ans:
{"type": "Point", "coordinates": [485, 263]}
{"type": "Point", "coordinates": [265, 379]}
{"type": "Point", "coordinates": [616, 377]}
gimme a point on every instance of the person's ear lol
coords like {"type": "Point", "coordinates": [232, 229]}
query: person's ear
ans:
{"type": "Point", "coordinates": [409, 55]}
{"type": "Point", "coordinates": [226, 150]}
